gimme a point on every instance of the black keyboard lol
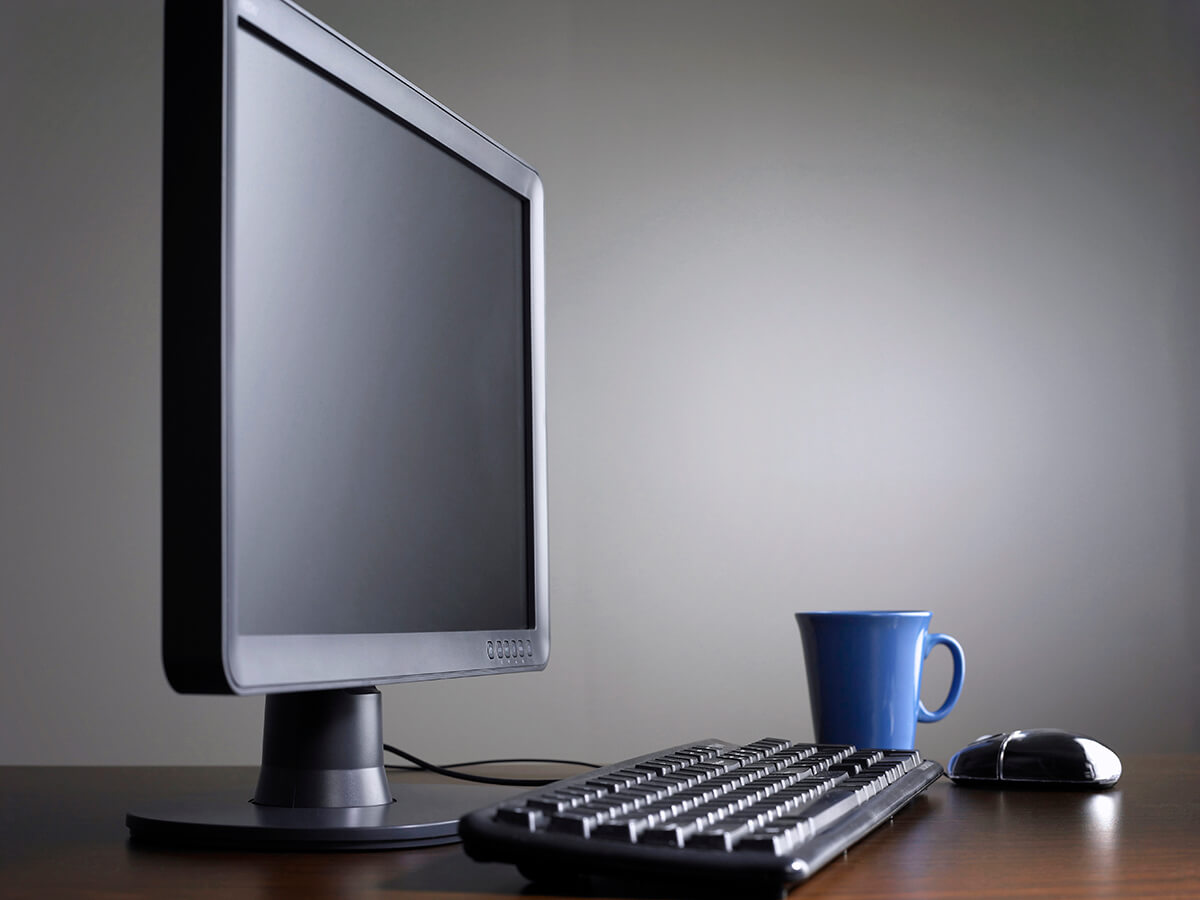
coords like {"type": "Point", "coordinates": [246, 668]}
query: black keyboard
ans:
{"type": "Point", "coordinates": [770, 812]}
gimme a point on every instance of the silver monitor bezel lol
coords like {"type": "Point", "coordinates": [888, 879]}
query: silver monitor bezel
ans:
{"type": "Point", "coordinates": [269, 663]}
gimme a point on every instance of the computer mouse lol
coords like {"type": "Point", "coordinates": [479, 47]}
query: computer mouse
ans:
{"type": "Point", "coordinates": [1038, 757]}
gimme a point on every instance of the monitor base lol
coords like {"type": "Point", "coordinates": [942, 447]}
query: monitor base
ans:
{"type": "Point", "coordinates": [422, 815]}
{"type": "Point", "coordinates": [322, 786]}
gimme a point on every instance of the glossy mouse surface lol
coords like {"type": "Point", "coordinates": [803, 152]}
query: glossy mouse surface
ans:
{"type": "Point", "coordinates": [1041, 757]}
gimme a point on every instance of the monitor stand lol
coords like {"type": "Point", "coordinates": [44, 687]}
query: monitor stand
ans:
{"type": "Point", "coordinates": [322, 786]}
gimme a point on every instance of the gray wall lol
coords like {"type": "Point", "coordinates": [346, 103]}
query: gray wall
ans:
{"type": "Point", "coordinates": [850, 305]}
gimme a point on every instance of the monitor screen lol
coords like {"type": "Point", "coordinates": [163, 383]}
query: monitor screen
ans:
{"type": "Point", "coordinates": [378, 385]}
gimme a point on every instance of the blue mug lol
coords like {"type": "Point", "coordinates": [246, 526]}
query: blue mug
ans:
{"type": "Point", "coordinates": [864, 675]}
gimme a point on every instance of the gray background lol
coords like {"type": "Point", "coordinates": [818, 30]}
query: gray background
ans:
{"type": "Point", "coordinates": [849, 305]}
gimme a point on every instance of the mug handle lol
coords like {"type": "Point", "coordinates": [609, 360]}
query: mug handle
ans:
{"type": "Point", "coordinates": [956, 683]}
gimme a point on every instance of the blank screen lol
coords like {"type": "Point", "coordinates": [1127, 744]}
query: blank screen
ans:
{"type": "Point", "coordinates": [378, 391]}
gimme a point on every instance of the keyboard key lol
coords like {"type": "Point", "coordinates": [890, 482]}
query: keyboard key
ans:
{"type": "Point", "coordinates": [826, 810]}
{"type": "Point", "coordinates": [669, 835]}
{"type": "Point", "coordinates": [554, 802]}
{"type": "Point", "coordinates": [660, 811]}
{"type": "Point", "coordinates": [775, 839]}
{"type": "Point", "coordinates": [580, 820]}
{"type": "Point", "coordinates": [863, 788]}
{"type": "Point", "coordinates": [616, 781]}
{"type": "Point", "coordinates": [524, 816]}
{"type": "Point", "coordinates": [622, 828]}
{"type": "Point", "coordinates": [866, 757]}
{"type": "Point", "coordinates": [909, 759]}
{"type": "Point", "coordinates": [849, 767]}
{"type": "Point", "coordinates": [722, 836]}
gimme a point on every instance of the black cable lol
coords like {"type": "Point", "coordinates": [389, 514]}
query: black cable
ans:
{"type": "Point", "coordinates": [518, 759]}
{"type": "Point", "coordinates": [483, 779]}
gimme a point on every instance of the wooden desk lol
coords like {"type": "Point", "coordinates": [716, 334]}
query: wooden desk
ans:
{"type": "Point", "coordinates": [62, 834]}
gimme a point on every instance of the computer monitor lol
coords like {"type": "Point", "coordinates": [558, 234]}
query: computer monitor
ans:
{"type": "Point", "coordinates": [354, 473]}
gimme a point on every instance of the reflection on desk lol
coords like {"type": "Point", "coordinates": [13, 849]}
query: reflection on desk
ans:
{"type": "Point", "coordinates": [62, 834]}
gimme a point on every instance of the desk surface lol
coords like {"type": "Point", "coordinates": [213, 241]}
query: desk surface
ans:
{"type": "Point", "coordinates": [62, 834]}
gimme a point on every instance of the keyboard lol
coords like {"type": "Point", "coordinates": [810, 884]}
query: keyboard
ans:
{"type": "Point", "coordinates": [771, 813]}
